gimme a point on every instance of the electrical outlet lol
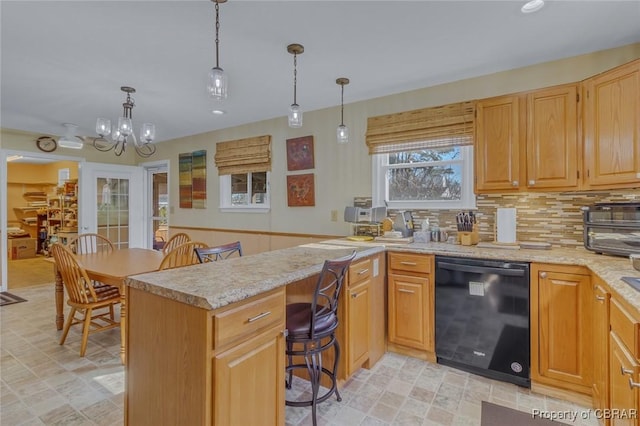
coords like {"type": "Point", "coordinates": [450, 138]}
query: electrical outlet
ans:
{"type": "Point", "coordinates": [334, 215]}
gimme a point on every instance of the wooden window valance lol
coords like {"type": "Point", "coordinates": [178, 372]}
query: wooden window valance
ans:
{"type": "Point", "coordinates": [434, 127]}
{"type": "Point", "coordinates": [244, 155]}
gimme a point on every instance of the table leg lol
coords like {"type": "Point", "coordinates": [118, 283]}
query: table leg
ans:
{"type": "Point", "coordinates": [59, 293]}
{"type": "Point", "coordinates": [123, 323]}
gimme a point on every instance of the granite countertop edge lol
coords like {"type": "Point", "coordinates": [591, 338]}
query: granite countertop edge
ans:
{"type": "Point", "coordinates": [217, 284]}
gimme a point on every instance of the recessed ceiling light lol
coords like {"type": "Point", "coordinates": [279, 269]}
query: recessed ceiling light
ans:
{"type": "Point", "coordinates": [532, 6]}
{"type": "Point", "coordinates": [219, 112]}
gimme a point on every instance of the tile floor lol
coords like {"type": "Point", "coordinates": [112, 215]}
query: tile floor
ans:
{"type": "Point", "coordinates": [43, 383]}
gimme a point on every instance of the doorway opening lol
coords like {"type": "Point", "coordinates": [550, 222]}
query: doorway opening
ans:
{"type": "Point", "coordinates": [158, 205]}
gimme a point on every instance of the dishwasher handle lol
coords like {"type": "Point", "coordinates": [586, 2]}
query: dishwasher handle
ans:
{"type": "Point", "coordinates": [481, 269]}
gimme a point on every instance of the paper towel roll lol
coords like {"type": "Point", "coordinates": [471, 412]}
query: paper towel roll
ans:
{"type": "Point", "coordinates": [506, 225]}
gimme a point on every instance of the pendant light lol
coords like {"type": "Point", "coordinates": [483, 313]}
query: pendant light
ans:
{"type": "Point", "coordinates": [217, 85]}
{"type": "Point", "coordinates": [295, 113]}
{"type": "Point", "coordinates": [343, 131]}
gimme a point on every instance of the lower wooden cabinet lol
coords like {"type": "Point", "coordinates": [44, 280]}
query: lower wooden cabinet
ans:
{"type": "Point", "coordinates": [600, 388]}
{"type": "Point", "coordinates": [623, 384]}
{"type": "Point", "coordinates": [248, 382]}
{"type": "Point", "coordinates": [561, 327]}
{"type": "Point", "coordinates": [411, 304]}
{"type": "Point", "coordinates": [358, 333]}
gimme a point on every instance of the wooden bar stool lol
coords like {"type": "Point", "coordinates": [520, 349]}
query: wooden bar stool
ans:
{"type": "Point", "coordinates": [311, 331]}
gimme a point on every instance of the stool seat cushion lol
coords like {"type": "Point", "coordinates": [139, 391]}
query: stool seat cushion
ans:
{"type": "Point", "coordinates": [299, 321]}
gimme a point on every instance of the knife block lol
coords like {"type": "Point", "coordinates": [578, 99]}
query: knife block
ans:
{"type": "Point", "coordinates": [469, 238]}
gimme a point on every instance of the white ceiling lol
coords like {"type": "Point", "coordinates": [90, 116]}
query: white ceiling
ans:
{"type": "Point", "coordinates": [64, 61]}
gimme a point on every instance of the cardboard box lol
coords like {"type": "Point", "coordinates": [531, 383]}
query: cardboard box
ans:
{"type": "Point", "coordinates": [22, 248]}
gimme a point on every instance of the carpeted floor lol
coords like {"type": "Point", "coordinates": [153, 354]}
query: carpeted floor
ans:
{"type": "Point", "coordinates": [497, 415]}
{"type": "Point", "coordinates": [29, 272]}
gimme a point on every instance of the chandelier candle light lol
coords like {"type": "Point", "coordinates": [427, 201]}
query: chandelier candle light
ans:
{"type": "Point", "coordinates": [217, 85]}
{"type": "Point", "coordinates": [70, 140]}
{"type": "Point", "coordinates": [343, 131]}
{"type": "Point", "coordinates": [123, 133]}
{"type": "Point", "coordinates": [295, 113]}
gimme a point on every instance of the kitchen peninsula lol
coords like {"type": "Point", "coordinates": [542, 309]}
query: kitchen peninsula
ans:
{"type": "Point", "coordinates": [206, 342]}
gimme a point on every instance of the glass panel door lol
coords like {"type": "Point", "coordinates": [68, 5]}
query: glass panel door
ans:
{"type": "Point", "coordinates": [113, 210]}
{"type": "Point", "coordinates": [158, 179]}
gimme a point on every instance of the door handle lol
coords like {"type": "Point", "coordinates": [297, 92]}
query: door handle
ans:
{"type": "Point", "coordinates": [600, 298]}
{"type": "Point", "coordinates": [402, 290]}
{"type": "Point", "coordinates": [408, 263]}
{"type": "Point", "coordinates": [624, 371]}
{"type": "Point", "coordinates": [364, 271]}
{"type": "Point", "coordinates": [257, 317]}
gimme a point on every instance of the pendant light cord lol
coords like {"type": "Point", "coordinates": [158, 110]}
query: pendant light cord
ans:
{"type": "Point", "coordinates": [342, 105]}
{"type": "Point", "coordinates": [217, 31]}
{"type": "Point", "coordinates": [295, 77]}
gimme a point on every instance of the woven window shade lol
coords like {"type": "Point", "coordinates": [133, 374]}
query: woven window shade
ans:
{"type": "Point", "coordinates": [434, 127]}
{"type": "Point", "coordinates": [244, 155]}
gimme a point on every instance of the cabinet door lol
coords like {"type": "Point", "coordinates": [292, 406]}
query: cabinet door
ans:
{"type": "Point", "coordinates": [498, 141]}
{"type": "Point", "coordinates": [552, 138]}
{"type": "Point", "coordinates": [408, 319]}
{"type": "Point", "coordinates": [249, 382]}
{"type": "Point", "coordinates": [600, 347]}
{"type": "Point", "coordinates": [564, 331]}
{"type": "Point", "coordinates": [358, 330]}
{"type": "Point", "coordinates": [612, 127]}
{"type": "Point", "coordinates": [624, 368]}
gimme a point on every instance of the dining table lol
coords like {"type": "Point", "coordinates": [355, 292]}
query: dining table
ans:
{"type": "Point", "coordinates": [111, 268]}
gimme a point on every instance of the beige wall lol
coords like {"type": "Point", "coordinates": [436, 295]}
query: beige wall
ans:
{"type": "Point", "coordinates": [343, 172]}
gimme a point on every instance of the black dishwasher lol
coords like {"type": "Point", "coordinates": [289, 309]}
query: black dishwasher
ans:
{"type": "Point", "coordinates": [482, 317]}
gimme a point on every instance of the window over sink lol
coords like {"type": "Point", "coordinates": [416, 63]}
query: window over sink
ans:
{"type": "Point", "coordinates": [425, 178]}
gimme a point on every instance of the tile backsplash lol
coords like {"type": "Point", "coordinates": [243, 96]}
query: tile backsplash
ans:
{"type": "Point", "coordinates": [555, 218]}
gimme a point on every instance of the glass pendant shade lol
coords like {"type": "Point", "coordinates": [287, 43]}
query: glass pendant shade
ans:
{"type": "Point", "coordinates": [342, 134]}
{"type": "Point", "coordinates": [115, 134]}
{"type": "Point", "coordinates": [148, 132]}
{"type": "Point", "coordinates": [217, 85]}
{"type": "Point", "coordinates": [103, 127]}
{"type": "Point", "coordinates": [295, 116]}
{"type": "Point", "coordinates": [124, 126]}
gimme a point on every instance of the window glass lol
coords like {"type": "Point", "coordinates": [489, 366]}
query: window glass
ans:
{"type": "Point", "coordinates": [425, 178]}
{"type": "Point", "coordinates": [245, 191]}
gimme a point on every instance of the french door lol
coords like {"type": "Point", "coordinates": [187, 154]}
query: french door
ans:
{"type": "Point", "coordinates": [112, 201]}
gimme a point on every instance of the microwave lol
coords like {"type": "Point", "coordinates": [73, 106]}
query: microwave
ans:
{"type": "Point", "coordinates": [612, 228]}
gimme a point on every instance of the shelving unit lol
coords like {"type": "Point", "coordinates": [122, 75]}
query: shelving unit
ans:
{"type": "Point", "coordinates": [62, 213]}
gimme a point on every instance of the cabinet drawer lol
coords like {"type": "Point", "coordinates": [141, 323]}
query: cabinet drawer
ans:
{"type": "Point", "coordinates": [625, 326]}
{"type": "Point", "coordinates": [359, 272]}
{"type": "Point", "coordinates": [410, 262]}
{"type": "Point", "coordinates": [248, 317]}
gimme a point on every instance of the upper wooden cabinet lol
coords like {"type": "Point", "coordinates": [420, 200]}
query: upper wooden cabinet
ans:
{"type": "Point", "coordinates": [552, 138]}
{"type": "Point", "coordinates": [498, 140]}
{"type": "Point", "coordinates": [534, 141]}
{"type": "Point", "coordinates": [612, 128]}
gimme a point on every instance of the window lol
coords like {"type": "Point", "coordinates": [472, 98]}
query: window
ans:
{"type": "Point", "coordinates": [427, 178]}
{"type": "Point", "coordinates": [247, 192]}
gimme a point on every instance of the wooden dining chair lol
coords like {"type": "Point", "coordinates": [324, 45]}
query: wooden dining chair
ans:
{"type": "Point", "coordinates": [175, 241]}
{"type": "Point", "coordinates": [83, 298]}
{"type": "Point", "coordinates": [90, 243]}
{"type": "Point", "coordinates": [224, 251]}
{"type": "Point", "coordinates": [182, 255]}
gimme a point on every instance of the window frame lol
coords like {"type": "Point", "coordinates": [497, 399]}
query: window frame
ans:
{"type": "Point", "coordinates": [226, 205]}
{"type": "Point", "coordinates": [380, 166]}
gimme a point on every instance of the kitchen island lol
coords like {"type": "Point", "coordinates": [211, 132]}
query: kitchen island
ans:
{"type": "Point", "coordinates": [205, 343]}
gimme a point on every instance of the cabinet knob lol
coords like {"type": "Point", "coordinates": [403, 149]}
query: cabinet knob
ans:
{"type": "Point", "coordinates": [543, 275]}
{"type": "Point", "coordinates": [633, 384]}
{"type": "Point", "coordinates": [532, 182]}
{"type": "Point", "coordinates": [515, 183]}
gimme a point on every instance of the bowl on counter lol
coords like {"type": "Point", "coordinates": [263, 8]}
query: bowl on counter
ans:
{"type": "Point", "coordinates": [635, 261]}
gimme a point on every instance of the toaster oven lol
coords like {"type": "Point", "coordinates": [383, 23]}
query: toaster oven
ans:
{"type": "Point", "coordinates": [612, 228]}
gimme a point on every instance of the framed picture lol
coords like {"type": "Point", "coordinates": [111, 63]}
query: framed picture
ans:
{"type": "Point", "coordinates": [300, 153]}
{"type": "Point", "coordinates": [301, 190]}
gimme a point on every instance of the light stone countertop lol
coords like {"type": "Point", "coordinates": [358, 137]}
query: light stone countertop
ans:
{"type": "Point", "coordinates": [216, 284]}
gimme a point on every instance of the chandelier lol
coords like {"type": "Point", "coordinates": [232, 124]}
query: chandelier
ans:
{"type": "Point", "coordinates": [217, 85]}
{"type": "Point", "coordinates": [123, 133]}
{"type": "Point", "coordinates": [295, 113]}
{"type": "Point", "coordinates": [342, 132]}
